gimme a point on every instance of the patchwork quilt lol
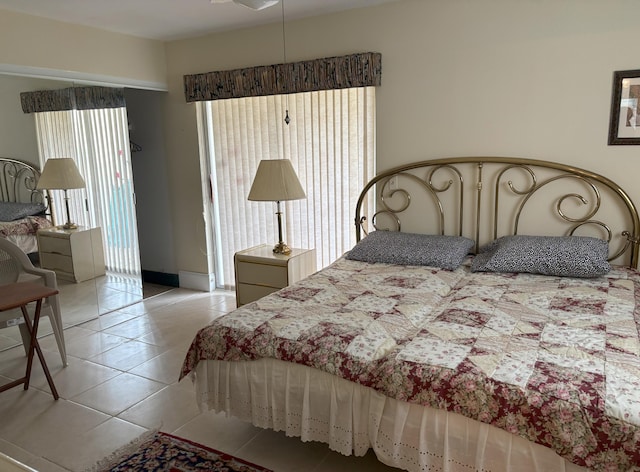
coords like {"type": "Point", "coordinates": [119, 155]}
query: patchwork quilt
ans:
{"type": "Point", "coordinates": [23, 226]}
{"type": "Point", "coordinates": [555, 360]}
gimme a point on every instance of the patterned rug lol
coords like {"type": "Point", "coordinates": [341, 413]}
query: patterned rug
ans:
{"type": "Point", "coordinates": [162, 452]}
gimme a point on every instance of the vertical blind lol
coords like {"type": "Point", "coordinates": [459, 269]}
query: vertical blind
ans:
{"type": "Point", "coordinates": [98, 141]}
{"type": "Point", "coordinates": [331, 144]}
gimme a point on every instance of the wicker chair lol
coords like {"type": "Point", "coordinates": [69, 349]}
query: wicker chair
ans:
{"type": "Point", "coordinates": [15, 266]}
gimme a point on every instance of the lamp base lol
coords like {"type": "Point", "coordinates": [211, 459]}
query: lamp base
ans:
{"type": "Point", "coordinates": [68, 224]}
{"type": "Point", "coordinates": [281, 248]}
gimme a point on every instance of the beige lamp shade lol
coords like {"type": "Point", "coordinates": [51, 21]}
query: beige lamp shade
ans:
{"type": "Point", "coordinates": [60, 174]}
{"type": "Point", "coordinates": [276, 181]}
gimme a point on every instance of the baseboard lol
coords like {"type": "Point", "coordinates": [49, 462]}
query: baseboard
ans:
{"type": "Point", "coordinates": [160, 278]}
{"type": "Point", "coordinates": [197, 281]}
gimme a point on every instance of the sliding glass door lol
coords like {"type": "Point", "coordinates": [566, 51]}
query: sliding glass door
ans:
{"type": "Point", "coordinates": [98, 140]}
{"type": "Point", "coordinates": [330, 141]}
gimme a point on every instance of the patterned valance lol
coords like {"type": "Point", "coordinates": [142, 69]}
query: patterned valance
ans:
{"type": "Point", "coordinates": [72, 98]}
{"type": "Point", "coordinates": [355, 70]}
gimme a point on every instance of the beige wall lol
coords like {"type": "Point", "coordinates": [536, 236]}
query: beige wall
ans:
{"type": "Point", "coordinates": [36, 46]}
{"type": "Point", "coordinates": [491, 77]}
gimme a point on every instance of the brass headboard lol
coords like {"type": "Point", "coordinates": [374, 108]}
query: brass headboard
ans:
{"type": "Point", "coordinates": [18, 182]}
{"type": "Point", "coordinates": [487, 197]}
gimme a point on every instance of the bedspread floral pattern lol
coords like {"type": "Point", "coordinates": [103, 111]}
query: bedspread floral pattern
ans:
{"type": "Point", "coordinates": [554, 360]}
{"type": "Point", "coordinates": [28, 225]}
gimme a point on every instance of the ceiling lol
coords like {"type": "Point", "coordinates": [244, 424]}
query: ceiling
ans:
{"type": "Point", "coordinates": [174, 19]}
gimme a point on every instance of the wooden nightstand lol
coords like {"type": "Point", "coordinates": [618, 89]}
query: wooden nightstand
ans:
{"type": "Point", "coordinates": [260, 272]}
{"type": "Point", "coordinates": [74, 254]}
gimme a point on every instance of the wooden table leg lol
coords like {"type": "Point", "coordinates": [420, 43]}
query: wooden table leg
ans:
{"type": "Point", "coordinates": [12, 384]}
{"type": "Point", "coordinates": [34, 345]}
{"type": "Point", "coordinates": [19, 295]}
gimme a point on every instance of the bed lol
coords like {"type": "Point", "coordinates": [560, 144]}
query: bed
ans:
{"type": "Point", "coordinates": [486, 319]}
{"type": "Point", "coordinates": [23, 208]}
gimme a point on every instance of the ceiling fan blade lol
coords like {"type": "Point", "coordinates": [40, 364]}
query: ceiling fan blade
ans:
{"type": "Point", "coordinates": [253, 4]}
{"type": "Point", "coordinates": [257, 4]}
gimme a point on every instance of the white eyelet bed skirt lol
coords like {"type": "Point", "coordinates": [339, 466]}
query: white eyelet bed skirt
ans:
{"type": "Point", "coordinates": [27, 242]}
{"type": "Point", "coordinates": [316, 406]}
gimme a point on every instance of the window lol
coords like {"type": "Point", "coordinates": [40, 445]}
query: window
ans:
{"type": "Point", "coordinates": [331, 144]}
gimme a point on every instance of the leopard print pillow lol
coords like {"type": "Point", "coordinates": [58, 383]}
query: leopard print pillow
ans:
{"type": "Point", "coordinates": [565, 256]}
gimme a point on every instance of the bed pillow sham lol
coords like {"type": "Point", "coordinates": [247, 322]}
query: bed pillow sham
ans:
{"type": "Point", "coordinates": [394, 247]}
{"type": "Point", "coordinates": [11, 211]}
{"type": "Point", "coordinates": [565, 256]}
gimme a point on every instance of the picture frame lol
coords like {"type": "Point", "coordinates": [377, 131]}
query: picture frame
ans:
{"type": "Point", "coordinates": [624, 123]}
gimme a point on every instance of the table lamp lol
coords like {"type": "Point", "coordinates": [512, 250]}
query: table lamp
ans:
{"type": "Point", "coordinates": [61, 174]}
{"type": "Point", "coordinates": [276, 181]}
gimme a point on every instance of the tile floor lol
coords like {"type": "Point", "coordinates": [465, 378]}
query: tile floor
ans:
{"type": "Point", "coordinates": [122, 381]}
{"type": "Point", "coordinates": [84, 301]}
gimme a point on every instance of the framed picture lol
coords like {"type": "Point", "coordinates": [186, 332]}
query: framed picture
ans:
{"type": "Point", "coordinates": [624, 124]}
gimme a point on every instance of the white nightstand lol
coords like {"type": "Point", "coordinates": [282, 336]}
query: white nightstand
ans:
{"type": "Point", "coordinates": [74, 254]}
{"type": "Point", "coordinates": [260, 272]}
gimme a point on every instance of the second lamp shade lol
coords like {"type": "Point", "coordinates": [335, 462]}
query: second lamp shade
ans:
{"type": "Point", "coordinates": [276, 181]}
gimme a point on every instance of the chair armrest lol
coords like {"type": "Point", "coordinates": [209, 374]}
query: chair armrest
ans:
{"type": "Point", "coordinates": [49, 276]}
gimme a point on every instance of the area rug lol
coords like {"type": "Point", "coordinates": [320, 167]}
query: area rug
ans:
{"type": "Point", "coordinates": [162, 452]}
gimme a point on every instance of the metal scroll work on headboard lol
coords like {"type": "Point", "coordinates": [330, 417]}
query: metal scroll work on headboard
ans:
{"type": "Point", "coordinates": [18, 182]}
{"type": "Point", "coordinates": [484, 198]}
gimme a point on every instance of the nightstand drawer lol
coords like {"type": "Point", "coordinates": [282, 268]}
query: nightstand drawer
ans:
{"type": "Point", "coordinates": [259, 271]}
{"type": "Point", "coordinates": [55, 245]}
{"type": "Point", "coordinates": [247, 293]}
{"type": "Point", "coordinates": [56, 262]}
{"type": "Point", "coordinates": [261, 274]}
{"type": "Point", "coordinates": [74, 254]}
